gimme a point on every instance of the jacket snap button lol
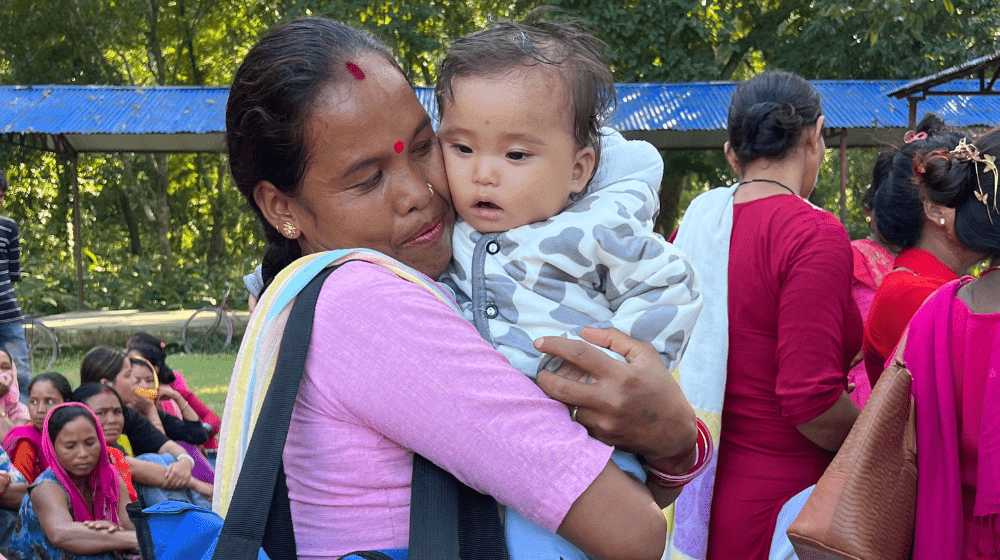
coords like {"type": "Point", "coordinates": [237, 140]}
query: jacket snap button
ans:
{"type": "Point", "coordinates": [491, 311]}
{"type": "Point", "coordinates": [492, 247]}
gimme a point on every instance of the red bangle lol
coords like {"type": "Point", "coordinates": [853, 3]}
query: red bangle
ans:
{"type": "Point", "coordinates": [704, 448]}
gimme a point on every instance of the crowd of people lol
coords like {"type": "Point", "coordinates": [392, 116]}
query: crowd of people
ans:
{"type": "Point", "coordinates": [571, 363]}
{"type": "Point", "coordinates": [72, 459]}
{"type": "Point", "coordinates": [775, 324]}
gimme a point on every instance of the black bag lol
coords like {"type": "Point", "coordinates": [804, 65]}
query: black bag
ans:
{"type": "Point", "coordinates": [448, 520]}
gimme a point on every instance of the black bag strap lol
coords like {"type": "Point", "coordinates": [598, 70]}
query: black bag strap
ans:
{"type": "Point", "coordinates": [261, 491]}
{"type": "Point", "coordinates": [140, 520]}
{"type": "Point", "coordinates": [448, 520]}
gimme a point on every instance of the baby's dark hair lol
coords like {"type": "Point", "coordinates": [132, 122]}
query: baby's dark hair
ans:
{"type": "Point", "coordinates": [965, 177]}
{"type": "Point", "coordinates": [896, 203]}
{"type": "Point", "coordinates": [576, 56]}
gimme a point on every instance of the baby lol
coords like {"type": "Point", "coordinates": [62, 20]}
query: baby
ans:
{"type": "Point", "coordinates": [544, 245]}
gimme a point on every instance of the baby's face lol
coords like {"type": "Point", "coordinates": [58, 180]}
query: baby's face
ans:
{"type": "Point", "coordinates": [509, 149]}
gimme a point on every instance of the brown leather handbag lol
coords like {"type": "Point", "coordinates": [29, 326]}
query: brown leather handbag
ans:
{"type": "Point", "coordinates": [863, 507]}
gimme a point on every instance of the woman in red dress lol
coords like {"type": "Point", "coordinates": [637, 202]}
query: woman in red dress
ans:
{"type": "Point", "coordinates": [872, 262]}
{"type": "Point", "coordinates": [873, 255]}
{"type": "Point", "coordinates": [793, 327]}
{"type": "Point", "coordinates": [922, 225]}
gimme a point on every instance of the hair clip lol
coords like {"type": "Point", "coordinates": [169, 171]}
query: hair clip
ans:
{"type": "Point", "coordinates": [970, 152]}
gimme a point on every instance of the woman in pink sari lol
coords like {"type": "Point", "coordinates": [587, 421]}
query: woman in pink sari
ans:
{"type": "Point", "coordinates": [953, 351]}
{"type": "Point", "coordinates": [872, 261]}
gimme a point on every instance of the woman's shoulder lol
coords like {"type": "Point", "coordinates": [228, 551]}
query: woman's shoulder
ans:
{"type": "Point", "coordinates": [799, 222]}
{"type": "Point", "coordinates": [364, 283]}
{"type": "Point", "coordinates": [47, 476]}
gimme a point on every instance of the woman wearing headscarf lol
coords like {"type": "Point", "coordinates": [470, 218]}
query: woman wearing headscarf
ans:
{"type": "Point", "coordinates": [76, 508]}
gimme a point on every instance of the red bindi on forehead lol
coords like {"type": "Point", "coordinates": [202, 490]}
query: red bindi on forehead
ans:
{"type": "Point", "coordinates": [355, 71]}
{"type": "Point", "coordinates": [398, 146]}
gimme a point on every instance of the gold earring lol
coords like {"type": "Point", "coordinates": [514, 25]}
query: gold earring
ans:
{"type": "Point", "coordinates": [868, 219]}
{"type": "Point", "coordinates": [288, 229]}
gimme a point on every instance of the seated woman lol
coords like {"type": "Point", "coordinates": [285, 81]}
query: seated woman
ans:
{"type": "Point", "coordinates": [139, 436]}
{"type": "Point", "coordinates": [154, 350]}
{"type": "Point", "coordinates": [332, 149]}
{"type": "Point", "coordinates": [24, 443]}
{"type": "Point", "coordinates": [76, 508]}
{"type": "Point", "coordinates": [921, 226]}
{"type": "Point", "coordinates": [104, 364]}
{"type": "Point", "coordinates": [148, 473]}
{"type": "Point", "coordinates": [953, 351]}
{"type": "Point", "coordinates": [148, 385]}
{"type": "Point", "coordinates": [13, 413]}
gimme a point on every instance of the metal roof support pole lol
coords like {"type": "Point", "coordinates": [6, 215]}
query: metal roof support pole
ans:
{"type": "Point", "coordinates": [843, 177]}
{"type": "Point", "coordinates": [913, 111]}
{"type": "Point", "coordinates": [77, 241]}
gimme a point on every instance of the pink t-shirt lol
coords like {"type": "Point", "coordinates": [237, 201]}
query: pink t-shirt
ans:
{"type": "Point", "coordinates": [392, 370]}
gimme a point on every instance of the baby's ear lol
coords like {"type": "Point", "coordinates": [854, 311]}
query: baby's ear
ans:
{"type": "Point", "coordinates": [583, 169]}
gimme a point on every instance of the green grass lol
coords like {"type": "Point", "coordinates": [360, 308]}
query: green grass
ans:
{"type": "Point", "coordinates": [206, 374]}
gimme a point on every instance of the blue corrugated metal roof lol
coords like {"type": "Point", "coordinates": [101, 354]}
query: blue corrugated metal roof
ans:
{"type": "Point", "coordinates": [846, 103]}
{"type": "Point", "coordinates": [112, 110]}
{"type": "Point", "coordinates": [82, 113]}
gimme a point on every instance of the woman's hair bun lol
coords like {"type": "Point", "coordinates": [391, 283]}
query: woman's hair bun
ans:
{"type": "Point", "coordinates": [768, 113]}
{"type": "Point", "coordinates": [965, 177]}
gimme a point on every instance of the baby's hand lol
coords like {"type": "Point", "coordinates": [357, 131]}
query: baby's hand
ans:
{"type": "Point", "coordinates": [5, 382]}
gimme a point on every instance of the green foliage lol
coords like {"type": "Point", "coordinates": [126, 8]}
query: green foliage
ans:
{"type": "Point", "coordinates": [114, 276]}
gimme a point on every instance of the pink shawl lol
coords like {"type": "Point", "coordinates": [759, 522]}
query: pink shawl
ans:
{"type": "Point", "coordinates": [940, 530]}
{"type": "Point", "coordinates": [29, 433]}
{"type": "Point", "coordinates": [871, 262]}
{"type": "Point", "coordinates": [103, 480]}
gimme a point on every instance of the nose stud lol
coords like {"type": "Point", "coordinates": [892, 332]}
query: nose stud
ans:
{"type": "Point", "coordinates": [431, 187]}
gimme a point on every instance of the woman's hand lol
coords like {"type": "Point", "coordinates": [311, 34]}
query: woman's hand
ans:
{"type": "Point", "coordinates": [4, 482]}
{"type": "Point", "coordinates": [6, 380]}
{"type": "Point", "coordinates": [178, 474]}
{"type": "Point", "coordinates": [102, 525]}
{"type": "Point", "coordinates": [166, 393]}
{"type": "Point", "coordinates": [636, 406]}
{"type": "Point", "coordinates": [139, 402]}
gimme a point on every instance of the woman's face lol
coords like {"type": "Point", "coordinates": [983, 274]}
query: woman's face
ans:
{"type": "Point", "coordinates": [78, 447]}
{"type": "Point", "coordinates": [371, 154]}
{"type": "Point", "coordinates": [109, 413]}
{"type": "Point", "coordinates": [143, 377]}
{"type": "Point", "coordinates": [7, 365]}
{"type": "Point", "coordinates": [125, 383]}
{"type": "Point", "coordinates": [41, 399]}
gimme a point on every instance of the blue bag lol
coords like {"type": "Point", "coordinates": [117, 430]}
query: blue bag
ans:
{"type": "Point", "coordinates": [173, 530]}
